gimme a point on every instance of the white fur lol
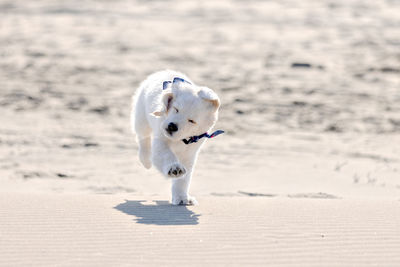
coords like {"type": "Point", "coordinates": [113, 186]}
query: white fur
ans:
{"type": "Point", "coordinates": [154, 108]}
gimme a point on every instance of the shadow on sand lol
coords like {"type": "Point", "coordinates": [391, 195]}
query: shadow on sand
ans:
{"type": "Point", "coordinates": [162, 213]}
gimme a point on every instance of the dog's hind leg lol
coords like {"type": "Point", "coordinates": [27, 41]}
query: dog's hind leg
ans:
{"type": "Point", "coordinates": [145, 151]}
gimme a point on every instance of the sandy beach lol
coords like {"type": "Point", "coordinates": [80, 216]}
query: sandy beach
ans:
{"type": "Point", "coordinates": [118, 230]}
{"type": "Point", "coordinates": [307, 173]}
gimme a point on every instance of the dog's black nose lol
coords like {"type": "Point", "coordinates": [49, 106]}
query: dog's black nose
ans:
{"type": "Point", "coordinates": [172, 127]}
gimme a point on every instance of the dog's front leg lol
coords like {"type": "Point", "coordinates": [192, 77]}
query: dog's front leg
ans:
{"type": "Point", "coordinates": [180, 189]}
{"type": "Point", "coordinates": [165, 160]}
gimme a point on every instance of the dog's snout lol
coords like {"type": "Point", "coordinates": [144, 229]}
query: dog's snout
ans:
{"type": "Point", "coordinates": [172, 127]}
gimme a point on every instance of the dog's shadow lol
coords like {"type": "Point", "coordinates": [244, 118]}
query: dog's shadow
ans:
{"type": "Point", "coordinates": [162, 213]}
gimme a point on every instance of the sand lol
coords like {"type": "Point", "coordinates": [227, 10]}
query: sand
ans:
{"type": "Point", "coordinates": [309, 90]}
{"type": "Point", "coordinates": [310, 105]}
{"type": "Point", "coordinates": [98, 230]}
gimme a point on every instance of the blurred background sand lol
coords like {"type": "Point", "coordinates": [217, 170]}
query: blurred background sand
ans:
{"type": "Point", "coordinates": [310, 93]}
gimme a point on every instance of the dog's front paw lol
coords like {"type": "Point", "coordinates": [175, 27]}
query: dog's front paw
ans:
{"type": "Point", "coordinates": [176, 171]}
{"type": "Point", "coordinates": [186, 201]}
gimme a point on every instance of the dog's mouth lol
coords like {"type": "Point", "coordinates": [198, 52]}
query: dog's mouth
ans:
{"type": "Point", "coordinates": [169, 134]}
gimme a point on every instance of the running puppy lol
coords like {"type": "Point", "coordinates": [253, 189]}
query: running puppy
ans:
{"type": "Point", "coordinates": [170, 117]}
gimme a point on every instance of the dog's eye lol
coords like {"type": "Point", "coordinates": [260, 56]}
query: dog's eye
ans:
{"type": "Point", "coordinates": [192, 121]}
{"type": "Point", "coordinates": [176, 110]}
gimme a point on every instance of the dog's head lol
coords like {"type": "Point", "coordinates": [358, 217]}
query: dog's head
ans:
{"type": "Point", "coordinates": [188, 110]}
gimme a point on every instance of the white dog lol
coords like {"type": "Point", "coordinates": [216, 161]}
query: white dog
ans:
{"type": "Point", "coordinates": [170, 117]}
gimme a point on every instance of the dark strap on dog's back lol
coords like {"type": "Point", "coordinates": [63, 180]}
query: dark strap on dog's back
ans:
{"type": "Point", "coordinates": [165, 84]}
{"type": "Point", "coordinates": [175, 80]}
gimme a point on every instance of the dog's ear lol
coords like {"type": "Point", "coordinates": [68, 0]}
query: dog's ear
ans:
{"type": "Point", "coordinates": [166, 100]}
{"type": "Point", "coordinates": [210, 96]}
{"type": "Point", "coordinates": [157, 113]}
